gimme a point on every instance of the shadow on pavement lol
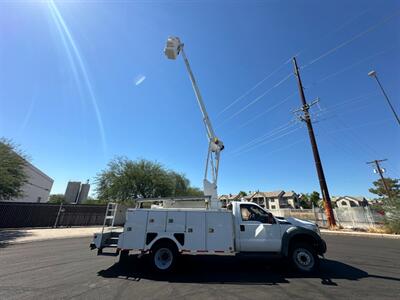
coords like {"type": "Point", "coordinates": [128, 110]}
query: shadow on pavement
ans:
{"type": "Point", "coordinates": [7, 236]}
{"type": "Point", "coordinates": [214, 269]}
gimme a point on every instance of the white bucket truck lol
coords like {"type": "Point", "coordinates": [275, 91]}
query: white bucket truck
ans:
{"type": "Point", "coordinates": [171, 229]}
{"type": "Point", "coordinates": [245, 228]}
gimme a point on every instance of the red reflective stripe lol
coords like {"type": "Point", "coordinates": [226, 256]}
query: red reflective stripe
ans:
{"type": "Point", "coordinates": [202, 251]}
{"type": "Point", "coordinates": [219, 251]}
{"type": "Point", "coordinates": [184, 250]}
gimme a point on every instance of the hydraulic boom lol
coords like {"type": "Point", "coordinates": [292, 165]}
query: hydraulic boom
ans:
{"type": "Point", "coordinates": [173, 48]}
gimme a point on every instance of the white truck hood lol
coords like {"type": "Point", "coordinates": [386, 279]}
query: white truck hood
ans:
{"type": "Point", "coordinates": [300, 223]}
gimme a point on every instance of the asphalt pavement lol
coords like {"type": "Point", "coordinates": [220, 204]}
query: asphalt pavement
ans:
{"type": "Point", "coordinates": [354, 268]}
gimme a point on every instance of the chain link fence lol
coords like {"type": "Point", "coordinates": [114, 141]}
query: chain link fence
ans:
{"type": "Point", "coordinates": [352, 217]}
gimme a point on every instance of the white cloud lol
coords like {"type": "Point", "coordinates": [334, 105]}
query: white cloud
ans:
{"type": "Point", "coordinates": [139, 79]}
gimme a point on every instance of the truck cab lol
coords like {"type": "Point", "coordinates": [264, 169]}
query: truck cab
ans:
{"type": "Point", "coordinates": [256, 229]}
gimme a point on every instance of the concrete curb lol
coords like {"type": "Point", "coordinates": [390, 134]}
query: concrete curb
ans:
{"type": "Point", "coordinates": [361, 234]}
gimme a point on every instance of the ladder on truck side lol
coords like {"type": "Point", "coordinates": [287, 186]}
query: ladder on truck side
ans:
{"type": "Point", "coordinates": [109, 237]}
{"type": "Point", "coordinates": [111, 211]}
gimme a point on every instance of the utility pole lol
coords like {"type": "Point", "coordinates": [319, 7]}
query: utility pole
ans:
{"type": "Point", "coordinates": [380, 172]}
{"type": "Point", "coordinates": [322, 182]}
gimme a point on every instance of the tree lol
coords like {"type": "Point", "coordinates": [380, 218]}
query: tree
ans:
{"type": "Point", "coordinates": [12, 174]}
{"type": "Point", "coordinates": [314, 198]}
{"type": "Point", "coordinates": [379, 188]}
{"type": "Point", "coordinates": [310, 199]}
{"type": "Point", "coordinates": [391, 208]}
{"type": "Point", "coordinates": [57, 198]}
{"type": "Point", "coordinates": [90, 200]}
{"type": "Point", "coordinates": [305, 201]}
{"type": "Point", "coordinates": [391, 205]}
{"type": "Point", "coordinates": [194, 191]}
{"type": "Point", "coordinates": [242, 194]}
{"type": "Point", "coordinates": [125, 180]}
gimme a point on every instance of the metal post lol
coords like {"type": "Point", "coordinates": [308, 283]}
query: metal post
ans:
{"type": "Point", "coordinates": [321, 176]}
{"type": "Point", "coordinates": [373, 74]}
{"type": "Point", "coordinates": [58, 215]}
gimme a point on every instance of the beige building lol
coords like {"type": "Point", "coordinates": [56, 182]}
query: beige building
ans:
{"type": "Point", "coordinates": [349, 201]}
{"type": "Point", "coordinates": [276, 200]}
{"type": "Point", "coordinates": [225, 199]}
{"type": "Point", "coordinates": [268, 200]}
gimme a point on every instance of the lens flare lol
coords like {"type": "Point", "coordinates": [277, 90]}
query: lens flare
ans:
{"type": "Point", "coordinates": [77, 65]}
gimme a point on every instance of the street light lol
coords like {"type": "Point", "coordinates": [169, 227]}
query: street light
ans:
{"type": "Point", "coordinates": [374, 75]}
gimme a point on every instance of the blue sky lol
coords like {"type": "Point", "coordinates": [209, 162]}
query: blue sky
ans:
{"type": "Point", "coordinates": [84, 81]}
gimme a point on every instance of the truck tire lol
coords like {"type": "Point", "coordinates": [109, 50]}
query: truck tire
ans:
{"type": "Point", "coordinates": [304, 258]}
{"type": "Point", "coordinates": [164, 256]}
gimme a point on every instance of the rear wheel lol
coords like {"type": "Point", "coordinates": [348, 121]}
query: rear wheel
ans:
{"type": "Point", "coordinates": [163, 257]}
{"type": "Point", "coordinates": [304, 258]}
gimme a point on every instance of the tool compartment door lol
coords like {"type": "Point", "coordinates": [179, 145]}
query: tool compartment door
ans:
{"type": "Point", "coordinates": [219, 231]}
{"type": "Point", "coordinates": [176, 221]}
{"type": "Point", "coordinates": [156, 221]}
{"type": "Point", "coordinates": [134, 230]}
{"type": "Point", "coordinates": [195, 236]}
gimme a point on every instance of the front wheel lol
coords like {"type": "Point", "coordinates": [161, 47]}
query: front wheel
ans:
{"type": "Point", "coordinates": [304, 258]}
{"type": "Point", "coordinates": [164, 257]}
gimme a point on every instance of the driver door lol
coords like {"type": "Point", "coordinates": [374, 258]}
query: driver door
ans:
{"type": "Point", "coordinates": [258, 230]}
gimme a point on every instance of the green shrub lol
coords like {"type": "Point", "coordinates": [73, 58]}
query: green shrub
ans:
{"type": "Point", "coordinates": [392, 215]}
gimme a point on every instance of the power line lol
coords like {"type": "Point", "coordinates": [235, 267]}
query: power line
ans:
{"type": "Point", "coordinates": [257, 99]}
{"type": "Point", "coordinates": [337, 106]}
{"type": "Point", "coordinates": [266, 142]}
{"type": "Point", "coordinates": [286, 147]}
{"type": "Point", "coordinates": [349, 67]}
{"type": "Point", "coordinates": [357, 36]}
{"type": "Point", "coordinates": [312, 85]}
{"type": "Point", "coordinates": [253, 88]}
{"type": "Point", "coordinates": [267, 135]}
{"type": "Point", "coordinates": [323, 36]}
{"type": "Point", "coordinates": [268, 110]}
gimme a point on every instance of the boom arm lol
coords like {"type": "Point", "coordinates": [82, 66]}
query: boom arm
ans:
{"type": "Point", "coordinates": [172, 50]}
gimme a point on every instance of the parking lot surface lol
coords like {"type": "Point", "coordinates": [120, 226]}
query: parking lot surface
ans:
{"type": "Point", "coordinates": [354, 268]}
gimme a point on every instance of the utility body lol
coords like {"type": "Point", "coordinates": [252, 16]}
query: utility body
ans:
{"type": "Point", "coordinates": [244, 228]}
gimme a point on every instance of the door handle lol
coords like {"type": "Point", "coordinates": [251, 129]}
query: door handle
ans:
{"type": "Point", "coordinates": [241, 227]}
